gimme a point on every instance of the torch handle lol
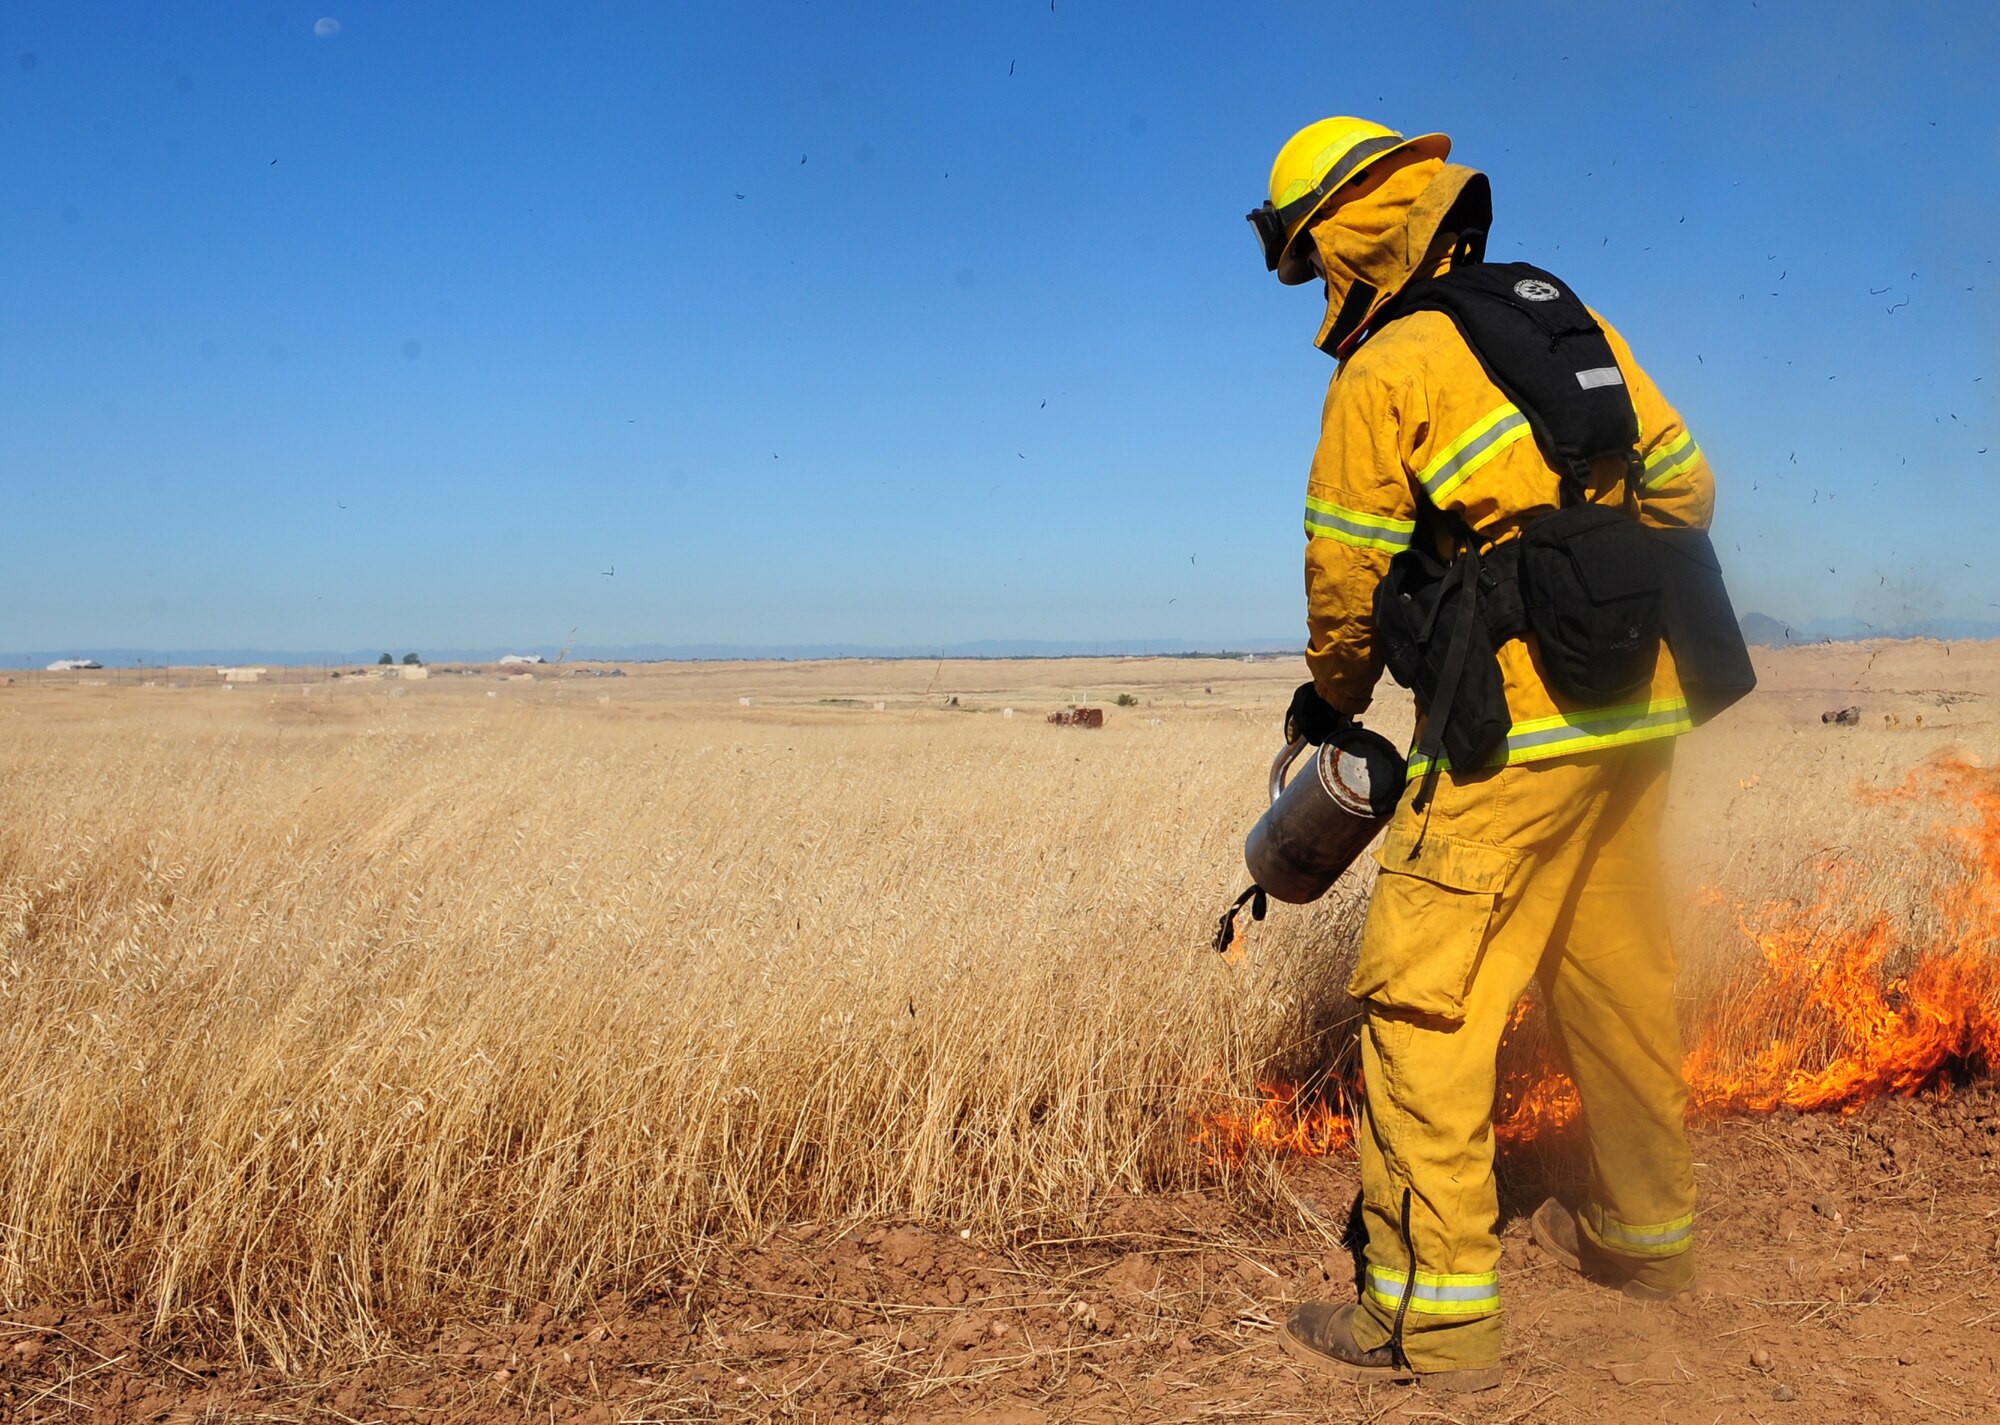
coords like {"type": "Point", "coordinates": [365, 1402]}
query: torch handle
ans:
{"type": "Point", "coordinates": [1282, 764]}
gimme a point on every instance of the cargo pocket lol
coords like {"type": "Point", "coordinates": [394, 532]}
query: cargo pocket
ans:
{"type": "Point", "coordinates": [1428, 921]}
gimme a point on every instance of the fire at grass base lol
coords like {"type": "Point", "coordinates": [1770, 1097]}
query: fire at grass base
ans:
{"type": "Point", "coordinates": [1861, 1013]}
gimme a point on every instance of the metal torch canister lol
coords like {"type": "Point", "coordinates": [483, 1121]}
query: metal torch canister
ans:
{"type": "Point", "coordinates": [1326, 817]}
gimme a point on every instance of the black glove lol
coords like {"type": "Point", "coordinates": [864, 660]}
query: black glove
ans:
{"type": "Point", "coordinates": [1312, 717]}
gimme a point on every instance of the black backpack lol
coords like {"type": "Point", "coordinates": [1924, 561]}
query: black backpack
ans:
{"type": "Point", "coordinates": [1597, 589]}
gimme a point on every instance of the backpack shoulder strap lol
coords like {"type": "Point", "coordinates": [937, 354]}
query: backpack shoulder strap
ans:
{"type": "Point", "coordinates": [1540, 345]}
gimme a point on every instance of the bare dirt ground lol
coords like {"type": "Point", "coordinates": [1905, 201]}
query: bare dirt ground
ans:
{"type": "Point", "coordinates": [1850, 1265]}
{"type": "Point", "coordinates": [1848, 1274]}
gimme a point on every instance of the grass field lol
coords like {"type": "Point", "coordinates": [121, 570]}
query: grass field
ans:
{"type": "Point", "coordinates": [328, 1009]}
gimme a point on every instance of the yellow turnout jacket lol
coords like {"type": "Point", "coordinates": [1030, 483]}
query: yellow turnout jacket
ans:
{"type": "Point", "coordinates": [1411, 416]}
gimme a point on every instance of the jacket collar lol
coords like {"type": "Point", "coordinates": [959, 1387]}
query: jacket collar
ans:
{"type": "Point", "coordinates": [1407, 224]}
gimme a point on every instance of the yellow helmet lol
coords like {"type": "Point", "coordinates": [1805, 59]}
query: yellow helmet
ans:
{"type": "Point", "coordinates": [1314, 162]}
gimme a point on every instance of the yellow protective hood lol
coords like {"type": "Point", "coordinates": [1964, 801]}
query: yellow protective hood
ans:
{"type": "Point", "coordinates": [1405, 224]}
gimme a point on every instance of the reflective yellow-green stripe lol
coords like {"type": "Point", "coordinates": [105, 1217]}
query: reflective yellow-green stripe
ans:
{"type": "Point", "coordinates": [1324, 517]}
{"type": "Point", "coordinates": [1437, 1293]}
{"type": "Point", "coordinates": [1653, 1239]}
{"type": "Point", "coordinates": [1590, 730]}
{"type": "Point", "coordinates": [1671, 459]}
{"type": "Point", "coordinates": [1488, 436]}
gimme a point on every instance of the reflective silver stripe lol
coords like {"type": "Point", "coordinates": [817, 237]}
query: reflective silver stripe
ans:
{"type": "Point", "coordinates": [1658, 1239]}
{"type": "Point", "coordinates": [1647, 1239]}
{"type": "Point", "coordinates": [1599, 376]}
{"type": "Point", "coordinates": [1350, 527]}
{"type": "Point", "coordinates": [1594, 727]}
{"type": "Point", "coordinates": [1438, 481]}
{"type": "Point", "coordinates": [1663, 464]}
{"type": "Point", "coordinates": [1469, 1294]}
{"type": "Point", "coordinates": [1582, 732]}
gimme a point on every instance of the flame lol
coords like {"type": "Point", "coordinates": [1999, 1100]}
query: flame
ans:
{"type": "Point", "coordinates": [1838, 1011]}
{"type": "Point", "coordinates": [1288, 1120]}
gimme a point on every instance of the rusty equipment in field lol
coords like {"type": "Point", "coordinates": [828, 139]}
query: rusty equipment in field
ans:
{"type": "Point", "coordinates": [1078, 717]}
{"type": "Point", "coordinates": [1318, 823]}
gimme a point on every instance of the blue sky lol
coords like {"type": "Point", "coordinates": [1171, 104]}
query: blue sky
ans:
{"type": "Point", "coordinates": [902, 323]}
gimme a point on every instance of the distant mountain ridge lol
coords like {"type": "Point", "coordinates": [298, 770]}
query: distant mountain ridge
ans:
{"type": "Point", "coordinates": [1764, 631]}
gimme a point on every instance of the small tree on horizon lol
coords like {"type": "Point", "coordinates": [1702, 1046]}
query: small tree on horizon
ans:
{"type": "Point", "coordinates": [410, 660]}
{"type": "Point", "coordinates": [384, 661]}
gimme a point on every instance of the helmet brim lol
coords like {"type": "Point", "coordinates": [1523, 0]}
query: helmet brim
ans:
{"type": "Point", "coordinates": [1294, 266]}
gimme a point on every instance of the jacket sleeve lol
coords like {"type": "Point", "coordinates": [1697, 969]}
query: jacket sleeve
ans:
{"type": "Point", "coordinates": [1360, 512]}
{"type": "Point", "coordinates": [1677, 489]}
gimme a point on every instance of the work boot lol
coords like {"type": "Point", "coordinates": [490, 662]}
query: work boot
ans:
{"type": "Point", "coordinates": [1322, 1335]}
{"type": "Point", "coordinates": [1555, 1230]}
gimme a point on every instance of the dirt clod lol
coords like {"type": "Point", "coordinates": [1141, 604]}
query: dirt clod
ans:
{"type": "Point", "coordinates": [904, 1246]}
{"type": "Point", "coordinates": [1761, 1359]}
{"type": "Point", "coordinates": [1784, 1393]}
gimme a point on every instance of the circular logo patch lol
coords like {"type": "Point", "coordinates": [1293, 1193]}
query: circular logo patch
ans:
{"type": "Point", "coordinates": [1533, 289]}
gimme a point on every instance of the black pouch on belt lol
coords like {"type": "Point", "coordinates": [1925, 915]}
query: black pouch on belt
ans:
{"type": "Point", "coordinates": [1702, 630]}
{"type": "Point", "coordinates": [1420, 619]}
{"type": "Point", "coordinates": [1591, 586]}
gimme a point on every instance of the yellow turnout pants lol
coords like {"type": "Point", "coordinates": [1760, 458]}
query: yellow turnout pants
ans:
{"type": "Point", "coordinates": [1548, 869]}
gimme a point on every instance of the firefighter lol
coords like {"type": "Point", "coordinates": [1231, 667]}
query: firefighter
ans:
{"type": "Point", "coordinates": [1540, 864]}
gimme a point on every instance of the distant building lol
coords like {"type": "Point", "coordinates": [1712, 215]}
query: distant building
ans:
{"type": "Point", "coordinates": [240, 675]}
{"type": "Point", "coordinates": [73, 665]}
{"type": "Point", "coordinates": [513, 658]}
{"type": "Point", "coordinates": [411, 672]}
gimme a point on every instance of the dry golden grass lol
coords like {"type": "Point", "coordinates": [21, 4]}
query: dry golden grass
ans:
{"type": "Point", "coordinates": [331, 1010]}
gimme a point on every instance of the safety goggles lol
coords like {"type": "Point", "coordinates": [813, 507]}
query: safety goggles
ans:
{"type": "Point", "coordinates": [1271, 228]}
{"type": "Point", "coordinates": [1275, 225]}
